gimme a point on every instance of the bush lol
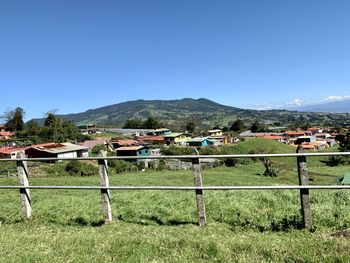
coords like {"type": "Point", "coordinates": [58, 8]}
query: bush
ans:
{"type": "Point", "coordinates": [121, 166]}
{"type": "Point", "coordinates": [73, 167]}
{"type": "Point", "coordinates": [141, 165]}
{"type": "Point", "coordinates": [97, 148]}
{"type": "Point", "coordinates": [176, 150]}
{"type": "Point", "coordinates": [79, 168]}
{"type": "Point", "coordinates": [333, 161]}
{"type": "Point", "coordinates": [230, 162]}
{"type": "Point", "coordinates": [158, 165]}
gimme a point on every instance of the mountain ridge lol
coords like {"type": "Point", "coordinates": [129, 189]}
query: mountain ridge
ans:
{"type": "Point", "coordinates": [204, 112]}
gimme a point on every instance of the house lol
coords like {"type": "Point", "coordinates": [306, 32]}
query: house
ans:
{"type": "Point", "coordinates": [10, 152]}
{"type": "Point", "coordinates": [150, 139]}
{"type": "Point", "coordinates": [5, 135]}
{"type": "Point", "coordinates": [176, 138]}
{"type": "Point", "coordinates": [2, 127]}
{"type": "Point", "coordinates": [314, 146]}
{"type": "Point", "coordinates": [90, 144]}
{"type": "Point", "coordinates": [214, 133]}
{"type": "Point", "coordinates": [294, 134]}
{"type": "Point", "coordinates": [160, 132]}
{"type": "Point", "coordinates": [322, 135]}
{"type": "Point", "coordinates": [274, 137]}
{"type": "Point", "coordinates": [124, 143]}
{"type": "Point", "coordinates": [302, 139]}
{"type": "Point", "coordinates": [88, 128]}
{"type": "Point", "coordinates": [59, 150]}
{"type": "Point", "coordinates": [139, 150]}
{"type": "Point", "coordinates": [331, 142]}
{"type": "Point", "coordinates": [199, 141]}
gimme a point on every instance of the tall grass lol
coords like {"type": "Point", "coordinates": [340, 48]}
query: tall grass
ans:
{"type": "Point", "coordinates": [158, 226]}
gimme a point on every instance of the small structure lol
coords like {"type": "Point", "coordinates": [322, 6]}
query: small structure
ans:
{"type": "Point", "coordinates": [302, 139]}
{"type": "Point", "coordinates": [151, 139]}
{"type": "Point", "coordinates": [124, 143]}
{"type": "Point", "coordinates": [277, 138]}
{"type": "Point", "coordinates": [5, 135]}
{"type": "Point", "coordinates": [294, 134]}
{"type": "Point", "coordinates": [176, 138]}
{"type": "Point", "coordinates": [10, 152]}
{"type": "Point", "coordinates": [139, 150]}
{"type": "Point", "coordinates": [198, 142]}
{"type": "Point", "coordinates": [88, 128]}
{"type": "Point", "coordinates": [214, 133]}
{"type": "Point", "coordinates": [160, 132]}
{"type": "Point", "coordinates": [344, 180]}
{"type": "Point", "coordinates": [59, 150]}
{"type": "Point", "coordinates": [90, 144]}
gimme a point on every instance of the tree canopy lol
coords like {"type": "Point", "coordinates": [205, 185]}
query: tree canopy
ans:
{"type": "Point", "coordinates": [14, 119]}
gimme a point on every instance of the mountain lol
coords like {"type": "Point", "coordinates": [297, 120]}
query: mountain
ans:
{"type": "Point", "coordinates": [331, 107]}
{"type": "Point", "coordinates": [204, 112]}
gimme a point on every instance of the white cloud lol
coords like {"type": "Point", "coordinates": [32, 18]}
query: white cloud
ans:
{"type": "Point", "coordinates": [298, 102]}
{"type": "Point", "coordinates": [295, 102]}
{"type": "Point", "coordinates": [334, 98]}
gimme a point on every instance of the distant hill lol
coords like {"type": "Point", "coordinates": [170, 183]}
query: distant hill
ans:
{"type": "Point", "coordinates": [331, 107]}
{"type": "Point", "coordinates": [204, 112]}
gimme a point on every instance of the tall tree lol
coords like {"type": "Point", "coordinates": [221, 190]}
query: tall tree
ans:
{"type": "Point", "coordinates": [14, 119]}
{"type": "Point", "coordinates": [237, 125]}
{"type": "Point", "coordinates": [151, 123]}
{"type": "Point", "coordinates": [257, 127]}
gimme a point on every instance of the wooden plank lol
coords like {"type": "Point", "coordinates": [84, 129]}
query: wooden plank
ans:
{"type": "Point", "coordinates": [23, 175]}
{"type": "Point", "coordinates": [105, 193]}
{"type": "Point", "coordinates": [304, 193]}
{"type": "Point", "coordinates": [197, 175]}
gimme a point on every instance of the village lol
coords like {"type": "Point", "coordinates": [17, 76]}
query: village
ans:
{"type": "Point", "coordinates": [146, 142]}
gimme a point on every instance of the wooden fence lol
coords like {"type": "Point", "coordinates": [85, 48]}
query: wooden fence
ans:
{"type": "Point", "coordinates": [198, 188]}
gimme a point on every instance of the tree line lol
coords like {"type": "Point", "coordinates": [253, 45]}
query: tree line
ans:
{"type": "Point", "coordinates": [54, 129]}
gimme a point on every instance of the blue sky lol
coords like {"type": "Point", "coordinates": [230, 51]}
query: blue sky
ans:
{"type": "Point", "coordinates": [77, 55]}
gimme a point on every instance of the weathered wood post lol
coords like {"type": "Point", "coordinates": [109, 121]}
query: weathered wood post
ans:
{"type": "Point", "coordinates": [105, 193]}
{"type": "Point", "coordinates": [304, 193]}
{"type": "Point", "coordinates": [197, 175]}
{"type": "Point", "coordinates": [23, 175]}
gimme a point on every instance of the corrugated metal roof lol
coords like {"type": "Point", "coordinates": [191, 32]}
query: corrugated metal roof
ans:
{"type": "Point", "coordinates": [9, 150]}
{"type": "Point", "coordinates": [211, 131]}
{"type": "Point", "coordinates": [126, 142]}
{"type": "Point", "coordinates": [130, 148]}
{"type": "Point", "coordinates": [59, 147]}
{"type": "Point", "coordinates": [173, 135]}
{"type": "Point", "coordinates": [198, 139]}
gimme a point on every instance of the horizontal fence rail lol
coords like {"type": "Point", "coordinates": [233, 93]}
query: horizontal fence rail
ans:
{"type": "Point", "coordinates": [198, 188]}
{"type": "Point", "coordinates": [179, 188]}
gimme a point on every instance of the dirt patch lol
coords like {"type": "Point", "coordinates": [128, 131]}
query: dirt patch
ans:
{"type": "Point", "coordinates": [341, 233]}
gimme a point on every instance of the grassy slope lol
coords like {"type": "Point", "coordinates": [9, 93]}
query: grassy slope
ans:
{"type": "Point", "coordinates": [156, 226]}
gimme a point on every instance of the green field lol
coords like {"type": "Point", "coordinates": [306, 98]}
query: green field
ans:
{"type": "Point", "coordinates": [158, 226]}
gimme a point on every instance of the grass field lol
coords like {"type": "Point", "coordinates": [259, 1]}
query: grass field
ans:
{"type": "Point", "coordinates": [158, 226]}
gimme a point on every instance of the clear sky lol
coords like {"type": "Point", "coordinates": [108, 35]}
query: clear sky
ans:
{"type": "Point", "coordinates": [75, 55]}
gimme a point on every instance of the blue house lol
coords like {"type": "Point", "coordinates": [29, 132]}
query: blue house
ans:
{"type": "Point", "coordinates": [139, 150]}
{"type": "Point", "coordinates": [200, 141]}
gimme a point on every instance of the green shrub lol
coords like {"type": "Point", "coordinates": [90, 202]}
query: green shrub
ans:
{"type": "Point", "coordinates": [73, 167]}
{"type": "Point", "coordinates": [79, 168]}
{"type": "Point", "coordinates": [141, 165]}
{"type": "Point", "coordinates": [97, 148]}
{"type": "Point", "coordinates": [121, 166]}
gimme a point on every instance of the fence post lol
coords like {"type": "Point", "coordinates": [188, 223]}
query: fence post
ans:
{"type": "Point", "coordinates": [105, 193]}
{"type": "Point", "coordinates": [23, 174]}
{"type": "Point", "coordinates": [304, 193]}
{"type": "Point", "coordinates": [199, 192]}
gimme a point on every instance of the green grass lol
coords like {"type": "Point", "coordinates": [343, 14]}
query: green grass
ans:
{"type": "Point", "coordinates": [158, 226]}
